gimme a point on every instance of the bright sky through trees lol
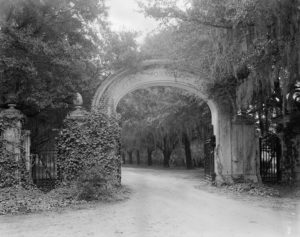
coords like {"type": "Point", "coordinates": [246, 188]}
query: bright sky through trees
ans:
{"type": "Point", "coordinates": [125, 15]}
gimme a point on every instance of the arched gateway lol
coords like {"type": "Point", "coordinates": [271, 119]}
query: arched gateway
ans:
{"type": "Point", "coordinates": [235, 158]}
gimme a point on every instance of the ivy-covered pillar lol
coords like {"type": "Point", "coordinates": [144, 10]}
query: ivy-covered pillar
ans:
{"type": "Point", "coordinates": [10, 147]}
{"type": "Point", "coordinates": [88, 147]}
{"type": "Point", "coordinates": [222, 131]}
{"type": "Point", "coordinates": [74, 124]}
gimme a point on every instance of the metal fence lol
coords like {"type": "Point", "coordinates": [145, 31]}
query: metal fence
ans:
{"type": "Point", "coordinates": [44, 169]}
{"type": "Point", "coordinates": [270, 156]}
{"type": "Point", "coordinates": [209, 161]}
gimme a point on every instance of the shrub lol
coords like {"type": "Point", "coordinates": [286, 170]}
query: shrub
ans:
{"type": "Point", "coordinates": [90, 184]}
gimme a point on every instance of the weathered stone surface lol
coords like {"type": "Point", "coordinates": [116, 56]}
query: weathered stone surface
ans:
{"type": "Point", "coordinates": [12, 134]}
{"type": "Point", "coordinates": [13, 147]}
{"type": "Point", "coordinates": [244, 144]}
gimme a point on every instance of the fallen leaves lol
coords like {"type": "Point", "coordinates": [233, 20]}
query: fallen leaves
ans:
{"type": "Point", "coordinates": [20, 200]}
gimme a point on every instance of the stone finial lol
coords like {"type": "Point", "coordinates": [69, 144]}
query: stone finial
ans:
{"type": "Point", "coordinates": [79, 112]}
{"type": "Point", "coordinates": [11, 112]}
{"type": "Point", "coordinates": [78, 101]}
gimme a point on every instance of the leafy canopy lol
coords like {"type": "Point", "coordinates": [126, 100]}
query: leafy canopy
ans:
{"type": "Point", "coordinates": [50, 49]}
{"type": "Point", "coordinates": [249, 45]}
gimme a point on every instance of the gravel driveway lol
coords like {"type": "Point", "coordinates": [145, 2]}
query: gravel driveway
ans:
{"type": "Point", "coordinates": [162, 204]}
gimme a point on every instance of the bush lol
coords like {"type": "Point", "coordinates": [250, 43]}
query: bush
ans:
{"type": "Point", "coordinates": [17, 199]}
{"type": "Point", "coordinates": [12, 172]}
{"type": "Point", "coordinates": [91, 184]}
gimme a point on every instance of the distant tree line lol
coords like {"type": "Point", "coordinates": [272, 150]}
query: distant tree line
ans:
{"type": "Point", "coordinates": [162, 118]}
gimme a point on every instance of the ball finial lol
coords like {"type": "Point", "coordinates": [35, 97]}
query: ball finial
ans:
{"type": "Point", "coordinates": [78, 101]}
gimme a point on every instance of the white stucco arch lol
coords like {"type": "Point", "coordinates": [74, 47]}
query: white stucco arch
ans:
{"type": "Point", "coordinates": [228, 162]}
{"type": "Point", "coordinates": [148, 75]}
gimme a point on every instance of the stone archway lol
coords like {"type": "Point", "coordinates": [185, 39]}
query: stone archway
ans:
{"type": "Point", "coordinates": [230, 158]}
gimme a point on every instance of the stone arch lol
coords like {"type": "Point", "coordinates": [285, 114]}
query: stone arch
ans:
{"type": "Point", "coordinates": [161, 73]}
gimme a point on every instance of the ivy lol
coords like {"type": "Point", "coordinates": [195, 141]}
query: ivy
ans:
{"type": "Point", "coordinates": [8, 122]}
{"type": "Point", "coordinates": [89, 144]}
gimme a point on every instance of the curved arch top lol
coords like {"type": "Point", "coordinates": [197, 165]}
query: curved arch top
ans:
{"type": "Point", "coordinates": [147, 74]}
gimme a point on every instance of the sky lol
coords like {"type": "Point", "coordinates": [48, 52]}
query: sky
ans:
{"type": "Point", "coordinates": [124, 15]}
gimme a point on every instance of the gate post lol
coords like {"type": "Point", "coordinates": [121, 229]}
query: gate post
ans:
{"type": "Point", "coordinates": [244, 148]}
{"type": "Point", "coordinates": [26, 143]}
{"type": "Point", "coordinates": [11, 134]}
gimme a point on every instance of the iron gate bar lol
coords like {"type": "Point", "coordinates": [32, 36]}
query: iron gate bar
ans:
{"type": "Point", "coordinates": [44, 170]}
{"type": "Point", "coordinates": [270, 156]}
{"type": "Point", "coordinates": [209, 162]}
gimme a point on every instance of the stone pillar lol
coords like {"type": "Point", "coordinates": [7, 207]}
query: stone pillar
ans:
{"type": "Point", "coordinates": [11, 134]}
{"type": "Point", "coordinates": [222, 131]}
{"type": "Point", "coordinates": [244, 150]}
{"type": "Point", "coordinates": [26, 143]}
{"type": "Point", "coordinates": [237, 149]}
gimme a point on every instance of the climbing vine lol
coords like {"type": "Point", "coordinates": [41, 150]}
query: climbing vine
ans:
{"type": "Point", "coordinates": [89, 146]}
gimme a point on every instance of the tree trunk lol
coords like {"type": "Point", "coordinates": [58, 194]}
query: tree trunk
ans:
{"type": "Point", "coordinates": [149, 153]}
{"type": "Point", "coordinates": [187, 149]}
{"type": "Point", "coordinates": [130, 156]}
{"type": "Point", "coordinates": [167, 156]}
{"type": "Point", "coordinates": [138, 158]}
{"type": "Point", "coordinates": [166, 152]}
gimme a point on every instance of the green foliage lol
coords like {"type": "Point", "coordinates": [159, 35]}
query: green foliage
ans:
{"type": "Point", "coordinates": [91, 184]}
{"type": "Point", "coordinates": [20, 200]}
{"type": "Point", "coordinates": [12, 172]}
{"type": "Point", "coordinates": [8, 168]}
{"type": "Point", "coordinates": [250, 56]}
{"type": "Point", "coordinates": [89, 144]}
{"type": "Point", "coordinates": [49, 50]}
{"type": "Point", "coordinates": [121, 50]}
{"type": "Point", "coordinates": [260, 38]}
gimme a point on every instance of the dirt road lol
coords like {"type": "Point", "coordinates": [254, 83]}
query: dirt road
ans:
{"type": "Point", "coordinates": [162, 204]}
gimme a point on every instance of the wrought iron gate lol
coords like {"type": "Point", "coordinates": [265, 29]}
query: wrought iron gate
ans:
{"type": "Point", "coordinates": [270, 156]}
{"type": "Point", "coordinates": [209, 161]}
{"type": "Point", "coordinates": [44, 170]}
